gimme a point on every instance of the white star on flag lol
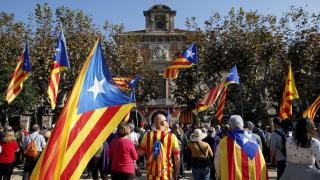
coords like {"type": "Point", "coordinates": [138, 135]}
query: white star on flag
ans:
{"type": "Point", "coordinates": [247, 137]}
{"type": "Point", "coordinates": [190, 54]}
{"type": "Point", "coordinates": [97, 87]}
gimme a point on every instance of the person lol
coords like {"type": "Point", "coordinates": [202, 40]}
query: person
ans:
{"type": "Point", "coordinates": [182, 140]}
{"type": "Point", "coordinates": [122, 154]}
{"type": "Point", "coordinates": [133, 135]}
{"type": "Point", "coordinates": [7, 156]}
{"type": "Point", "coordinates": [238, 155]}
{"type": "Point", "coordinates": [1, 133]}
{"type": "Point", "coordinates": [248, 125]}
{"type": "Point", "coordinates": [213, 140]}
{"type": "Point", "coordinates": [95, 165]}
{"type": "Point", "coordinates": [159, 145]}
{"type": "Point", "coordinates": [277, 147]}
{"type": "Point", "coordinates": [257, 130]}
{"type": "Point", "coordinates": [303, 150]}
{"type": "Point", "coordinates": [268, 138]}
{"type": "Point", "coordinates": [200, 155]}
{"type": "Point", "coordinates": [40, 143]}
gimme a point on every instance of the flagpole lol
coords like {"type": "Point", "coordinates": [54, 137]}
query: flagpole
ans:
{"type": "Point", "coordinates": [241, 95]}
{"type": "Point", "coordinates": [197, 77]}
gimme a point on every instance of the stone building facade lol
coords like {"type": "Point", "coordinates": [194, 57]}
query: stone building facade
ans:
{"type": "Point", "coordinates": [159, 43]}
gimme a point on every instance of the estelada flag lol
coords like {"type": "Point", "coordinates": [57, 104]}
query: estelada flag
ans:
{"type": "Point", "coordinates": [289, 94]}
{"type": "Point", "coordinates": [95, 107]}
{"type": "Point", "coordinates": [219, 111]}
{"type": "Point", "coordinates": [21, 73]}
{"type": "Point", "coordinates": [185, 60]}
{"type": "Point", "coordinates": [60, 63]}
{"type": "Point", "coordinates": [311, 111]}
{"type": "Point", "coordinates": [211, 97]}
{"type": "Point", "coordinates": [123, 82]}
{"type": "Point", "coordinates": [241, 157]}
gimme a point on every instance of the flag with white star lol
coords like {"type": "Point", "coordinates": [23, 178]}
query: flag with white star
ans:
{"type": "Point", "coordinates": [246, 140]}
{"type": "Point", "coordinates": [97, 91]}
{"type": "Point", "coordinates": [93, 110]}
{"type": "Point", "coordinates": [60, 63]}
{"type": "Point", "coordinates": [185, 60]}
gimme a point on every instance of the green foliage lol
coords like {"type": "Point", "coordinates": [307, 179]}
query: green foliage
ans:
{"type": "Point", "coordinates": [262, 47]}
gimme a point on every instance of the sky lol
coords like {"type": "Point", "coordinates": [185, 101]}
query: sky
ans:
{"type": "Point", "coordinates": [130, 12]}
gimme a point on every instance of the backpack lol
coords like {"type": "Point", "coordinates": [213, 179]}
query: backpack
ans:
{"type": "Point", "coordinates": [283, 150]}
{"type": "Point", "coordinates": [157, 157]}
{"type": "Point", "coordinates": [157, 147]}
{"type": "Point", "coordinates": [31, 150]}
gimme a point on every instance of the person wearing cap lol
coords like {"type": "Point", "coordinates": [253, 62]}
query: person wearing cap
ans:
{"type": "Point", "coordinates": [200, 155]}
{"type": "Point", "coordinates": [238, 155]}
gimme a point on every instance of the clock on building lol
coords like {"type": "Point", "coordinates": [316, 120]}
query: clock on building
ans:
{"type": "Point", "coordinates": [160, 22]}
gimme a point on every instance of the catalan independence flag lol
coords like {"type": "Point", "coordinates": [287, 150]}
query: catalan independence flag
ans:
{"type": "Point", "coordinates": [289, 94]}
{"type": "Point", "coordinates": [311, 111]}
{"type": "Point", "coordinates": [219, 111]}
{"type": "Point", "coordinates": [61, 63]}
{"type": "Point", "coordinates": [123, 82]}
{"type": "Point", "coordinates": [211, 97]}
{"type": "Point", "coordinates": [21, 73]}
{"type": "Point", "coordinates": [171, 73]}
{"type": "Point", "coordinates": [241, 158]}
{"type": "Point", "coordinates": [94, 108]}
{"type": "Point", "coordinates": [185, 60]}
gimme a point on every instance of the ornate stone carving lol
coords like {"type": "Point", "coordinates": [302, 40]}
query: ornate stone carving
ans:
{"type": "Point", "coordinates": [160, 53]}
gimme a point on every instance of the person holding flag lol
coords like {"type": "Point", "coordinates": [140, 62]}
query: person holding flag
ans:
{"type": "Point", "coordinates": [238, 155]}
{"type": "Point", "coordinates": [61, 63]}
{"type": "Point", "coordinates": [94, 108]}
{"type": "Point", "coordinates": [21, 73]}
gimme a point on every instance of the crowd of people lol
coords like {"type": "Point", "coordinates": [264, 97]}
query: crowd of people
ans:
{"type": "Point", "coordinates": [236, 149]}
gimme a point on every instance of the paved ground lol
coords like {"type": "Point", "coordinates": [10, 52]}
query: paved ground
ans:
{"type": "Point", "coordinates": [17, 175]}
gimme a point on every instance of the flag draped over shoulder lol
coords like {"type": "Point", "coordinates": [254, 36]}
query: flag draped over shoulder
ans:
{"type": "Point", "coordinates": [185, 60]}
{"type": "Point", "coordinates": [94, 108]}
{"type": "Point", "coordinates": [61, 63]}
{"type": "Point", "coordinates": [311, 111]}
{"type": "Point", "coordinates": [21, 73]}
{"type": "Point", "coordinates": [289, 94]}
{"type": "Point", "coordinates": [211, 97]}
{"type": "Point", "coordinates": [241, 157]}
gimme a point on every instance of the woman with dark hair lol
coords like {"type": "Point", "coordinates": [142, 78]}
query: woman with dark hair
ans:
{"type": "Point", "coordinates": [303, 150]}
{"type": "Point", "coordinates": [122, 154]}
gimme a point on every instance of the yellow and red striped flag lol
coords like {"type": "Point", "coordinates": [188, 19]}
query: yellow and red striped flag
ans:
{"type": "Point", "coordinates": [289, 94]}
{"type": "Point", "coordinates": [220, 107]}
{"type": "Point", "coordinates": [21, 73]}
{"type": "Point", "coordinates": [123, 82]}
{"type": "Point", "coordinates": [311, 111]}
{"type": "Point", "coordinates": [210, 98]}
{"type": "Point", "coordinates": [186, 117]}
{"type": "Point", "coordinates": [185, 60]}
{"type": "Point", "coordinates": [171, 73]}
{"type": "Point", "coordinates": [241, 158]}
{"type": "Point", "coordinates": [61, 63]}
{"type": "Point", "coordinates": [94, 108]}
